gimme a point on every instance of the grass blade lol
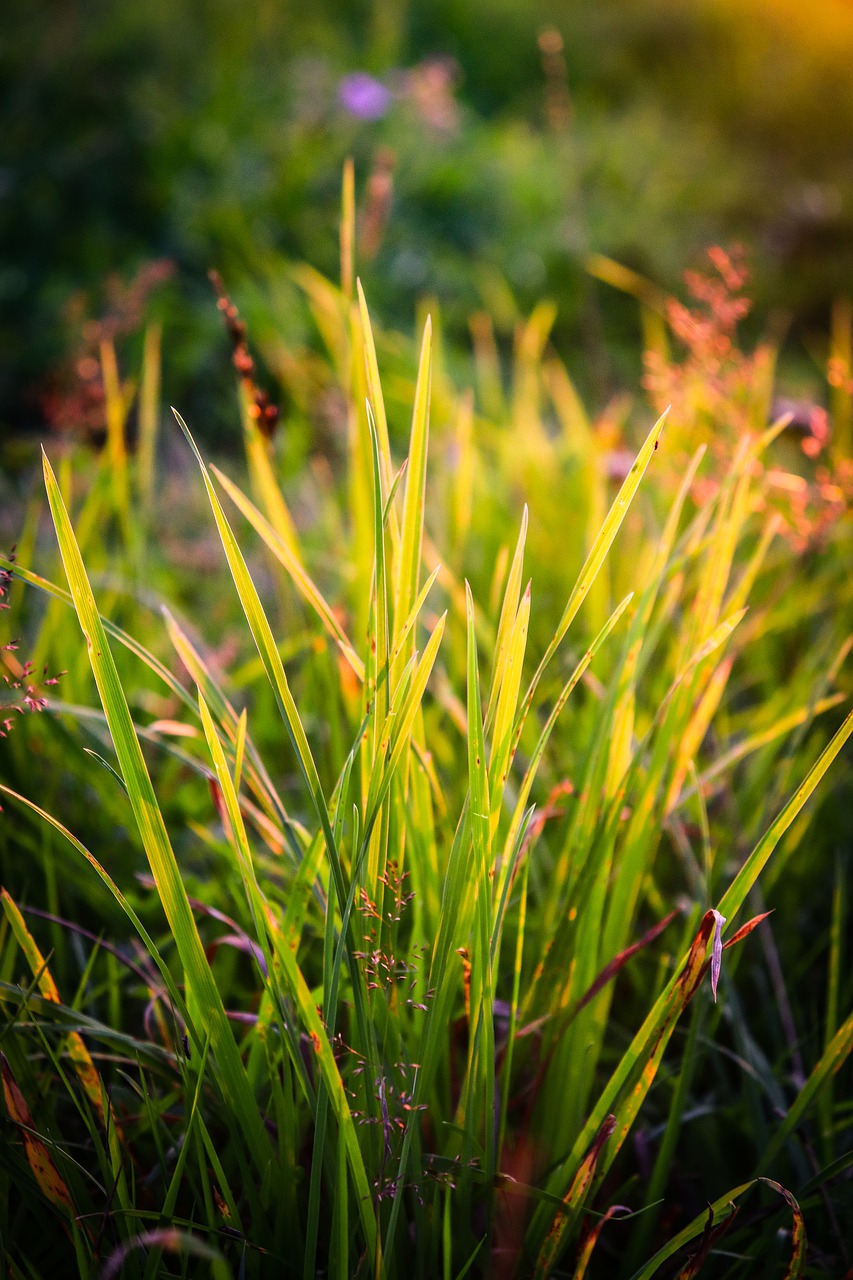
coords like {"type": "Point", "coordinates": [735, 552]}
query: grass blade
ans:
{"type": "Point", "coordinates": [203, 991]}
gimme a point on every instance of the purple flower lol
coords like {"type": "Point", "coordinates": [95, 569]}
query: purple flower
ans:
{"type": "Point", "coordinates": [364, 96]}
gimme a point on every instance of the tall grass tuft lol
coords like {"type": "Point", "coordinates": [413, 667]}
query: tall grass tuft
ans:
{"type": "Point", "coordinates": [469, 878]}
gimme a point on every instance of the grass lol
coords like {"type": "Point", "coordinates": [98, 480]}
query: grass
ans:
{"type": "Point", "coordinates": [453, 953]}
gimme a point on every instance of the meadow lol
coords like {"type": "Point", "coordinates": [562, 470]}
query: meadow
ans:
{"type": "Point", "coordinates": [424, 837]}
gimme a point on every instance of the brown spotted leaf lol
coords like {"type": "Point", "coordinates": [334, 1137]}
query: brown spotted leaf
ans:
{"type": "Point", "coordinates": [589, 1238]}
{"type": "Point", "coordinates": [572, 1202]}
{"type": "Point", "coordinates": [49, 1179]}
{"type": "Point", "coordinates": [678, 998]}
{"type": "Point", "coordinates": [710, 1236]}
{"type": "Point", "coordinates": [798, 1234]}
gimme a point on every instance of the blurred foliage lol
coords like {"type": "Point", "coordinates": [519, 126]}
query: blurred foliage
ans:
{"type": "Point", "coordinates": [213, 134]}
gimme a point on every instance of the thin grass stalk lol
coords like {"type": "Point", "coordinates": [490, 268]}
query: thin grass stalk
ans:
{"type": "Point", "coordinates": [116, 404]}
{"type": "Point", "coordinates": [347, 232]}
{"type": "Point", "coordinates": [482, 1050]}
{"type": "Point", "coordinates": [149, 418]}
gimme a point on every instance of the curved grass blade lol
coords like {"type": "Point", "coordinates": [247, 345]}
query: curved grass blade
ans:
{"type": "Point", "coordinates": [274, 667]}
{"type": "Point", "coordinates": [268, 650]}
{"type": "Point", "coordinates": [798, 1233]}
{"type": "Point", "coordinates": [134, 647]}
{"type": "Point", "coordinates": [203, 991]}
{"type": "Point", "coordinates": [716, 1214]}
{"type": "Point", "coordinates": [147, 941]}
{"type": "Point", "coordinates": [632, 1079]}
{"type": "Point", "coordinates": [301, 580]}
{"type": "Point", "coordinates": [106, 765]}
{"type": "Point", "coordinates": [640, 1063]}
{"type": "Point", "coordinates": [239, 841]}
{"type": "Point", "coordinates": [225, 712]}
{"type": "Point", "coordinates": [590, 1236]}
{"type": "Point", "coordinates": [184, 1244]}
{"type": "Point", "coordinates": [755, 741]}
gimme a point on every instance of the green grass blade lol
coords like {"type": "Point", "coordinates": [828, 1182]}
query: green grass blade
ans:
{"type": "Point", "coordinates": [378, 692]}
{"type": "Point", "coordinates": [263, 637]}
{"type": "Point", "coordinates": [755, 741]}
{"type": "Point", "coordinates": [228, 718]}
{"type": "Point", "coordinates": [597, 554]}
{"type": "Point", "coordinates": [715, 1213]}
{"type": "Point", "coordinates": [629, 1085]}
{"type": "Point", "coordinates": [735, 895]}
{"type": "Point", "coordinates": [268, 650]}
{"type": "Point", "coordinates": [402, 718]}
{"type": "Point", "coordinates": [147, 941]}
{"type": "Point", "coordinates": [307, 1007]}
{"type": "Point", "coordinates": [202, 988]}
{"type": "Point", "coordinates": [548, 728]}
{"type": "Point", "coordinates": [482, 996]}
{"type": "Point", "coordinates": [833, 1058]}
{"type": "Point", "coordinates": [256, 902]}
{"type": "Point", "coordinates": [641, 1061]}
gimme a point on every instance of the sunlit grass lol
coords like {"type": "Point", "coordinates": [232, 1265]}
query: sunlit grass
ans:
{"type": "Point", "coordinates": [469, 877]}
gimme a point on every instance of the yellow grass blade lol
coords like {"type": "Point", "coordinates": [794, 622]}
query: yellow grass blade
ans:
{"type": "Point", "coordinates": [502, 736]}
{"type": "Point", "coordinates": [149, 415]}
{"type": "Point", "coordinates": [408, 570]}
{"type": "Point", "coordinates": [348, 228]}
{"type": "Point", "coordinates": [506, 622]}
{"type": "Point", "coordinates": [301, 580]}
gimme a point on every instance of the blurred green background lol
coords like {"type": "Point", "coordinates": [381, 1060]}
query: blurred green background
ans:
{"type": "Point", "coordinates": [497, 146]}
